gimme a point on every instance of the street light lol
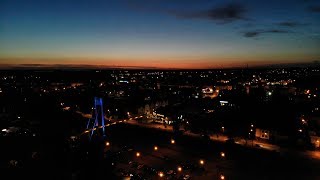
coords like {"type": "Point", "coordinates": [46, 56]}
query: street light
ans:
{"type": "Point", "coordinates": [172, 141]}
{"type": "Point", "coordinates": [202, 162]}
{"type": "Point", "coordinates": [222, 177]}
{"type": "Point", "coordinates": [107, 143]}
{"type": "Point", "coordinates": [179, 169]}
{"type": "Point", "coordinates": [155, 148]}
{"type": "Point", "coordinates": [222, 154]}
{"type": "Point", "coordinates": [138, 154]}
{"type": "Point", "coordinates": [161, 174]}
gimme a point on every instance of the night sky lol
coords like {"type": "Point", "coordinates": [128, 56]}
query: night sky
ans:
{"type": "Point", "coordinates": [159, 33]}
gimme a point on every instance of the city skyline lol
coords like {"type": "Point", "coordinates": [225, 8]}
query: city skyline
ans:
{"type": "Point", "coordinates": [158, 34]}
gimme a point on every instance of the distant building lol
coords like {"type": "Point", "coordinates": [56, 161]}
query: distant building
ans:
{"type": "Point", "coordinates": [223, 87]}
{"type": "Point", "coordinates": [149, 108]}
{"type": "Point", "coordinates": [271, 136]}
{"type": "Point", "coordinates": [315, 141]}
{"type": "Point", "coordinates": [209, 92]}
{"type": "Point", "coordinates": [263, 134]}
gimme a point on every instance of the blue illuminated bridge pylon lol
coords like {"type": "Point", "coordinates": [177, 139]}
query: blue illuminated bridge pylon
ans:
{"type": "Point", "coordinates": [97, 119]}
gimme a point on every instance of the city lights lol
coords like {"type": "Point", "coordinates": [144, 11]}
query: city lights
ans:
{"type": "Point", "coordinates": [167, 128]}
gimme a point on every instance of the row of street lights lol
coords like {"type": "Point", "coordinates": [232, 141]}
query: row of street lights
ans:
{"type": "Point", "coordinates": [179, 168]}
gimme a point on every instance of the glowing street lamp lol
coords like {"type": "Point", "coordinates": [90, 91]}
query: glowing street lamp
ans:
{"type": "Point", "coordinates": [155, 148]}
{"type": "Point", "coordinates": [107, 143]}
{"type": "Point", "coordinates": [138, 154]}
{"type": "Point", "coordinates": [223, 154]}
{"type": "Point", "coordinates": [172, 141]}
{"type": "Point", "coordinates": [202, 162]}
{"type": "Point", "coordinates": [179, 169]}
{"type": "Point", "coordinates": [222, 177]}
{"type": "Point", "coordinates": [161, 174]}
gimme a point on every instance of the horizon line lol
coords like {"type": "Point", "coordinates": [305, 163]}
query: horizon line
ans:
{"type": "Point", "coordinates": [90, 66]}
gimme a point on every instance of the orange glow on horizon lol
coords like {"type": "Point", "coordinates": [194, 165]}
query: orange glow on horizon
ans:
{"type": "Point", "coordinates": [200, 63]}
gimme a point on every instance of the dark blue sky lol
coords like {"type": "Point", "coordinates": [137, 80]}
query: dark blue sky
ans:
{"type": "Point", "coordinates": [167, 33]}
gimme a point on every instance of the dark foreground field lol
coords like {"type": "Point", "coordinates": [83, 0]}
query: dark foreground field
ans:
{"type": "Point", "coordinates": [57, 161]}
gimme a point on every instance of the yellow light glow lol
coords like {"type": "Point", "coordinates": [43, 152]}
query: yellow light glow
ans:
{"type": "Point", "coordinates": [155, 148]}
{"type": "Point", "coordinates": [138, 154]}
{"type": "Point", "coordinates": [223, 154]}
{"type": "Point", "coordinates": [179, 169]}
{"type": "Point", "coordinates": [202, 162]}
{"type": "Point", "coordinates": [222, 177]}
{"type": "Point", "coordinates": [172, 141]}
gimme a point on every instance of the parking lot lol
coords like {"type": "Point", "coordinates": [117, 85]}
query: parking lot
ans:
{"type": "Point", "coordinates": [150, 154]}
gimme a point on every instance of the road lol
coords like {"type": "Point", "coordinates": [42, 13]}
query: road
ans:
{"type": "Point", "coordinates": [220, 138]}
{"type": "Point", "coordinates": [223, 138]}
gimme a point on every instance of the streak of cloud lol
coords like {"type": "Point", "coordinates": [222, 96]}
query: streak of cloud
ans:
{"type": "Point", "coordinates": [222, 14]}
{"type": "Point", "coordinates": [255, 33]}
{"type": "Point", "coordinates": [290, 24]}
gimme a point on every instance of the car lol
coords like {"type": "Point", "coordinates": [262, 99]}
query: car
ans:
{"type": "Point", "coordinates": [171, 172]}
{"type": "Point", "coordinates": [140, 166]}
{"type": "Point", "coordinates": [133, 164]}
{"type": "Point", "coordinates": [149, 170]}
{"type": "Point", "coordinates": [230, 141]}
{"type": "Point", "coordinates": [166, 158]}
{"type": "Point", "coordinates": [188, 166]}
{"type": "Point", "coordinates": [127, 148]}
{"type": "Point", "coordinates": [185, 177]}
{"type": "Point", "coordinates": [258, 145]}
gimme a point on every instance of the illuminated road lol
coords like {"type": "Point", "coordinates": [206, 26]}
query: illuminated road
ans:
{"type": "Point", "coordinates": [221, 138]}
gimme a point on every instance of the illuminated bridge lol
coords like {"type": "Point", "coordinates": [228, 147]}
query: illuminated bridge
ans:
{"type": "Point", "coordinates": [97, 124]}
